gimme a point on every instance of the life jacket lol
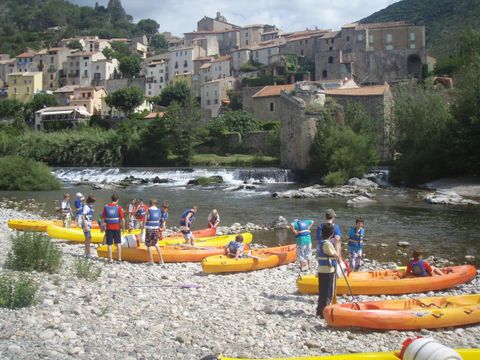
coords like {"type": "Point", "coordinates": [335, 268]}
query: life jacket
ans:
{"type": "Point", "coordinates": [356, 239]}
{"type": "Point", "coordinates": [153, 218]}
{"type": "Point", "coordinates": [112, 214]}
{"type": "Point", "coordinates": [418, 267]}
{"type": "Point", "coordinates": [324, 259]}
{"type": "Point", "coordinates": [79, 206]}
{"type": "Point", "coordinates": [183, 218]}
{"type": "Point", "coordinates": [233, 246]}
{"type": "Point", "coordinates": [163, 216]}
{"type": "Point", "coordinates": [302, 229]}
{"type": "Point", "coordinates": [65, 207]}
{"type": "Point", "coordinates": [140, 211]}
{"type": "Point", "coordinates": [89, 216]}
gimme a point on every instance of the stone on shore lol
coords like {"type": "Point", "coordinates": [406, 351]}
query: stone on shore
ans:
{"type": "Point", "coordinates": [447, 197]}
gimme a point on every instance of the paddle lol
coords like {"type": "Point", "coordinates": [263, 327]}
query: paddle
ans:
{"type": "Point", "coordinates": [183, 286]}
{"type": "Point", "coordinates": [355, 304]}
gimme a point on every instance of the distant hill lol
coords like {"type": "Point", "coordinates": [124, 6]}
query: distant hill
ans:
{"type": "Point", "coordinates": [443, 19]}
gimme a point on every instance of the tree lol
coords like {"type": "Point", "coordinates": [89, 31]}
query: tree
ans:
{"type": "Point", "coordinates": [42, 100]}
{"type": "Point", "coordinates": [178, 92]}
{"type": "Point", "coordinates": [108, 52]}
{"type": "Point", "coordinates": [130, 66]}
{"type": "Point", "coordinates": [116, 11]}
{"type": "Point", "coordinates": [121, 49]}
{"type": "Point", "coordinates": [125, 99]}
{"type": "Point", "coordinates": [241, 121]}
{"type": "Point", "coordinates": [148, 27]}
{"type": "Point", "coordinates": [158, 43]}
{"type": "Point", "coordinates": [75, 44]}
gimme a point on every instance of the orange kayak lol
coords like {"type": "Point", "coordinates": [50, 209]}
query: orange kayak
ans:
{"type": "Point", "coordinates": [407, 314]}
{"type": "Point", "coordinates": [385, 282]}
{"type": "Point", "coordinates": [258, 259]}
{"type": "Point", "coordinates": [177, 253]}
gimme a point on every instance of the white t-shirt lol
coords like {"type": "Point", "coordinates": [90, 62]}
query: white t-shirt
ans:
{"type": "Point", "coordinates": [211, 218]}
{"type": "Point", "coordinates": [86, 212]}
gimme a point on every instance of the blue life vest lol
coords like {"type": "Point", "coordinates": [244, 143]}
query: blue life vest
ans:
{"type": "Point", "coordinates": [324, 259]}
{"type": "Point", "coordinates": [141, 211]}
{"type": "Point", "coordinates": [112, 214]}
{"type": "Point", "coordinates": [89, 216]}
{"type": "Point", "coordinates": [183, 218]}
{"type": "Point", "coordinates": [302, 226]}
{"type": "Point", "coordinates": [79, 206]}
{"type": "Point", "coordinates": [418, 268]}
{"type": "Point", "coordinates": [153, 219]}
{"type": "Point", "coordinates": [163, 216]}
{"type": "Point", "coordinates": [233, 246]}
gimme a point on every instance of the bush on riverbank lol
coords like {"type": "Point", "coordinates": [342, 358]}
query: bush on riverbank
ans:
{"type": "Point", "coordinates": [17, 173]}
{"type": "Point", "coordinates": [17, 292]}
{"type": "Point", "coordinates": [33, 251]}
{"type": "Point", "coordinates": [85, 269]}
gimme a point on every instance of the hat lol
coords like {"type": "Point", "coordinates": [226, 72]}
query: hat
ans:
{"type": "Point", "coordinates": [330, 213]}
{"type": "Point", "coordinates": [79, 195]}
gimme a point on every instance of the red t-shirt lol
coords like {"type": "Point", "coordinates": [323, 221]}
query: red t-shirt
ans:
{"type": "Point", "coordinates": [120, 214]}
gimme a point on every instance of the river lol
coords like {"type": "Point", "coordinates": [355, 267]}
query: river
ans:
{"type": "Point", "coordinates": [397, 215]}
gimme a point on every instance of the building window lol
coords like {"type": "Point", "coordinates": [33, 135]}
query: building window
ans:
{"type": "Point", "coordinates": [161, 80]}
{"type": "Point", "coordinates": [52, 59]}
{"type": "Point", "coordinates": [301, 52]}
{"type": "Point", "coordinates": [176, 65]}
{"type": "Point", "coordinates": [412, 46]}
{"type": "Point", "coordinates": [370, 39]}
{"type": "Point", "coordinates": [14, 90]}
{"type": "Point", "coordinates": [389, 47]}
{"type": "Point", "coordinates": [306, 41]}
{"type": "Point", "coordinates": [330, 48]}
{"type": "Point", "coordinates": [333, 40]}
{"type": "Point", "coordinates": [412, 36]}
{"type": "Point", "coordinates": [216, 101]}
{"type": "Point", "coordinates": [348, 38]}
{"type": "Point", "coordinates": [185, 63]}
{"type": "Point", "coordinates": [300, 42]}
{"type": "Point", "coordinates": [246, 34]}
{"type": "Point", "coordinates": [359, 37]}
{"type": "Point", "coordinates": [389, 38]}
{"type": "Point", "coordinates": [28, 89]}
{"type": "Point", "coordinates": [324, 74]}
{"type": "Point", "coordinates": [330, 59]}
{"type": "Point", "coordinates": [272, 107]}
{"type": "Point", "coordinates": [14, 81]}
{"type": "Point", "coordinates": [246, 42]}
{"type": "Point", "coordinates": [51, 76]}
{"type": "Point", "coordinates": [208, 101]}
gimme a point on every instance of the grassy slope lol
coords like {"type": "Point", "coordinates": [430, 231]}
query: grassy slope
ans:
{"type": "Point", "coordinates": [443, 19]}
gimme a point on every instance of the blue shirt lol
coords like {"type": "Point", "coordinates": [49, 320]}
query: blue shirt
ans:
{"type": "Point", "coordinates": [336, 232]}
{"type": "Point", "coordinates": [356, 236]}
{"type": "Point", "coordinates": [233, 246]}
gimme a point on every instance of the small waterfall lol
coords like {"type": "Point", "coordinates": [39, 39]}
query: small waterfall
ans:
{"type": "Point", "coordinates": [266, 175]}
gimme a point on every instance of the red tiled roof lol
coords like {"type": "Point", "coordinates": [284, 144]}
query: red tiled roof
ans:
{"type": "Point", "coordinates": [375, 90]}
{"type": "Point", "coordinates": [273, 90]}
{"type": "Point", "coordinates": [222, 58]}
{"type": "Point", "coordinates": [153, 115]}
{"type": "Point", "coordinates": [25, 55]}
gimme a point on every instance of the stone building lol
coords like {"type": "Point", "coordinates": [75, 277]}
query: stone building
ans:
{"type": "Point", "coordinates": [372, 53]}
{"type": "Point", "coordinates": [266, 102]}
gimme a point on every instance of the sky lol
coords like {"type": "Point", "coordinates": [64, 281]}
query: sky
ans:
{"type": "Point", "coordinates": [179, 16]}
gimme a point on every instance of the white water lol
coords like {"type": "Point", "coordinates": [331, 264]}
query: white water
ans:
{"type": "Point", "coordinates": [176, 177]}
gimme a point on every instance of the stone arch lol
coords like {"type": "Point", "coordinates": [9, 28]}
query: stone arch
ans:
{"type": "Point", "coordinates": [414, 66]}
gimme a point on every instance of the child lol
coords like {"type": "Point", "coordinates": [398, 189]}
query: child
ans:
{"type": "Point", "coordinates": [66, 210]}
{"type": "Point", "coordinates": [79, 203]}
{"type": "Point", "coordinates": [186, 221]}
{"type": "Point", "coordinates": [140, 212]}
{"type": "Point", "coordinates": [301, 229]}
{"type": "Point", "coordinates": [86, 221]}
{"type": "Point", "coordinates": [234, 248]}
{"type": "Point", "coordinates": [327, 262]}
{"type": "Point", "coordinates": [355, 236]}
{"type": "Point", "coordinates": [213, 219]}
{"type": "Point", "coordinates": [419, 267]}
{"type": "Point", "coordinates": [152, 226]}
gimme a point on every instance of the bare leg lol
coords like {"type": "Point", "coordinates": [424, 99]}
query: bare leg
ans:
{"type": "Point", "coordinates": [119, 251]}
{"type": "Point", "coordinates": [110, 253]}
{"type": "Point", "coordinates": [87, 245]}
{"type": "Point", "coordinates": [150, 257]}
{"type": "Point", "coordinates": [160, 257]}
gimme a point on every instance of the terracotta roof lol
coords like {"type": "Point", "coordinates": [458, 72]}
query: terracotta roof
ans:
{"type": "Point", "coordinates": [206, 66]}
{"type": "Point", "coordinates": [153, 115]}
{"type": "Point", "coordinates": [375, 90]}
{"type": "Point", "coordinates": [222, 58]}
{"type": "Point", "coordinates": [25, 55]}
{"type": "Point", "coordinates": [273, 90]}
{"type": "Point", "coordinates": [203, 58]}
{"type": "Point", "coordinates": [331, 34]}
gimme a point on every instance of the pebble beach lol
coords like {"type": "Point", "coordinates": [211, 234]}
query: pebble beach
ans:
{"type": "Point", "coordinates": [175, 311]}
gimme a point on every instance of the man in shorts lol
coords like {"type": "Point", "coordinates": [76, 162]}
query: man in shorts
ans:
{"type": "Point", "coordinates": [186, 221]}
{"type": "Point", "coordinates": [152, 226]}
{"type": "Point", "coordinates": [302, 231]}
{"type": "Point", "coordinates": [114, 220]}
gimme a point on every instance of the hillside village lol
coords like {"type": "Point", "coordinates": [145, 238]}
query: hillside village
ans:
{"type": "Point", "coordinates": [259, 61]}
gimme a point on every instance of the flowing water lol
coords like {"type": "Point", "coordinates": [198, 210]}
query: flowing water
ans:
{"type": "Point", "coordinates": [398, 215]}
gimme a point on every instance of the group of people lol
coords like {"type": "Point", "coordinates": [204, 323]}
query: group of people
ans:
{"type": "Point", "coordinates": [149, 219]}
{"type": "Point", "coordinates": [329, 254]}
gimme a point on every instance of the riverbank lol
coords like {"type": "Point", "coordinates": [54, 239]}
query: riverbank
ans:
{"type": "Point", "coordinates": [134, 311]}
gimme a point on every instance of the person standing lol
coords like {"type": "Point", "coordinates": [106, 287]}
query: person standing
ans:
{"type": "Point", "coordinates": [213, 219]}
{"type": "Point", "coordinates": [163, 219]}
{"type": "Point", "coordinates": [152, 226]}
{"type": "Point", "coordinates": [326, 268]}
{"type": "Point", "coordinates": [131, 213]}
{"type": "Point", "coordinates": [86, 221]}
{"type": "Point", "coordinates": [79, 202]}
{"type": "Point", "coordinates": [114, 220]}
{"type": "Point", "coordinates": [140, 212]}
{"type": "Point", "coordinates": [302, 231]}
{"type": "Point", "coordinates": [336, 240]}
{"type": "Point", "coordinates": [66, 211]}
{"type": "Point", "coordinates": [186, 220]}
{"type": "Point", "coordinates": [356, 235]}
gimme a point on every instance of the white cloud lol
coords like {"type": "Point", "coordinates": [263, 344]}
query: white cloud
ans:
{"type": "Point", "coordinates": [178, 16]}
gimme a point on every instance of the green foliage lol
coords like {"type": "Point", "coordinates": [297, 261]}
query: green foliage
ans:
{"type": "Point", "coordinates": [158, 43]}
{"type": "Point", "coordinates": [75, 44]}
{"type": "Point", "coordinates": [130, 66]}
{"type": "Point", "coordinates": [148, 27]}
{"type": "Point", "coordinates": [265, 80]}
{"type": "Point", "coordinates": [251, 65]}
{"type": "Point", "coordinates": [120, 49]}
{"type": "Point", "coordinates": [338, 152]}
{"type": "Point", "coordinates": [17, 173]}
{"type": "Point", "coordinates": [85, 269]}
{"type": "Point", "coordinates": [155, 140]}
{"type": "Point", "coordinates": [125, 99]}
{"type": "Point", "coordinates": [236, 100]}
{"type": "Point", "coordinates": [33, 251]}
{"type": "Point", "coordinates": [271, 126]}
{"type": "Point", "coordinates": [234, 160]}
{"type": "Point", "coordinates": [360, 122]}
{"type": "Point", "coordinates": [17, 292]}
{"type": "Point", "coordinates": [10, 108]}
{"type": "Point", "coordinates": [421, 121]}
{"type": "Point", "coordinates": [41, 100]}
{"type": "Point", "coordinates": [129, 137]}
{"type": "Point", "coordinates": [178, 92]}
{"type": "Point", "coordinates": [240, 121]}
{"type": "Point", "coordinates": [443, 19]}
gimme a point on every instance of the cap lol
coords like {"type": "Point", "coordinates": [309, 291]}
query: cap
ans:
{"type": "Point", "coordinates": [79, 195]}
{"type": "Point", "coordinates": [330, 213]}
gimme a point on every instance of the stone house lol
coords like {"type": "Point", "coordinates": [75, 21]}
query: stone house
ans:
{"type": "Point", "coordinates": [266, 102]}
{"type": "Point", "coordinates": [24, 62]}
{"type": "Point", "coordinates": [64, 94]}
{"type": "Point", "coordinates": [50, 62]}
{"type": "Point", "coordinates": [23, 86]}
{"type": "Point", "coordinates": [182, 60]}
{"type": "Point", "coordinates": [240, 57]}
{"type": "Point", "coordinates": [7, 67]}
{"type": "Point", "coordinates": [251, 35]}
{"type": "Point", "coordinates": [103, 69]}
{"type": "Point", "coordinates": [263, 52]}
{"type": "Point", "coordinates": [78, 68]}
{"type": "Point", "coordinates": [92, 98]}
{"type": "Point", "coordinates": [156, 77]}
{"type": "Point", "coordinates": [212, 93]}
{"type": "Point", "coordinates": [219, 23]}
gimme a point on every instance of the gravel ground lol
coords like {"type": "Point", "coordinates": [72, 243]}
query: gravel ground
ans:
{"type": "Point", "coordinates": [135, 311]}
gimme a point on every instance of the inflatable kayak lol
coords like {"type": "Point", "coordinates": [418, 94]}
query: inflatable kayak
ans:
{"type": "Point", "coordinates": [175, 253]}
{"type": "Point", "coordinates": [38, 225]}
{"type": "Point", "coordinates": [76, 234]}
{"type": "Point", "coordinates": [258, 259]}
{"type": "Point", "coordinates": [389, 282]}
{"type": "Point", "coordinates": [406, 314]}
{"type": "Point", "coordinates": [466, 354]}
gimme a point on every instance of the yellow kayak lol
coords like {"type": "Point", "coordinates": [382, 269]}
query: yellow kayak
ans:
{"type": "Point", "coordinates": [32, 225]}
{"type": "Point", "coordinates": [76, 234]}
{"type": "Point", "coordinates": [466, 354]}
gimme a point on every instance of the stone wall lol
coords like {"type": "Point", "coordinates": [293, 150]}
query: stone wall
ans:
{"type": "Point", "coordinates": [116, 84]}
{"type": "Point", "coordinates": [256, 142]}
{"type": "Point", "coordinates": [262, 108]}
{"type": "Point", "coordinates": [247, 100]}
